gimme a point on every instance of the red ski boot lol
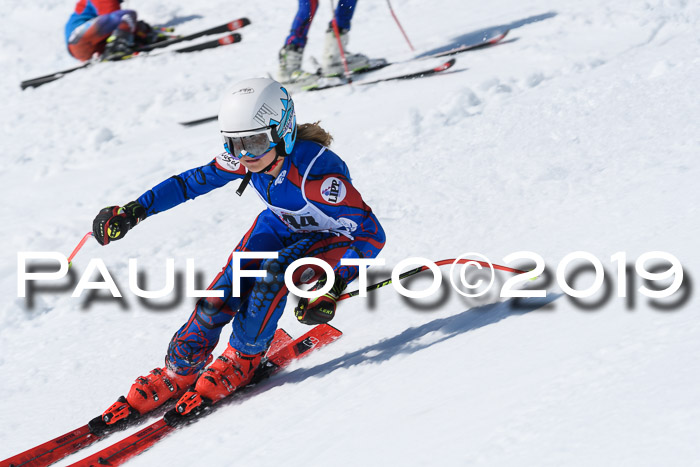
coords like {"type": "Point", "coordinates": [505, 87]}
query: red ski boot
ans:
{"type": "Point", "coordinates": [148, 393]}
{"type": "Point", "coordinates": [232, 370]}
{"type": "Point", "coordinates": [159, 386]}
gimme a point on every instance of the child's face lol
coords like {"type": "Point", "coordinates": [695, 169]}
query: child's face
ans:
{"type": "Point", "coordinates": [257, 165]}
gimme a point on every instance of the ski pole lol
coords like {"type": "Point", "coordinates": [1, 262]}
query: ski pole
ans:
{"type": "Point", "coordinates": [398, 23]}
{"type": "Point", "coordinates": [336, 31]}
{"type": "Point", "coordinates": [415, 271]}
{"type": "Point", "coordinates": [77, 248]}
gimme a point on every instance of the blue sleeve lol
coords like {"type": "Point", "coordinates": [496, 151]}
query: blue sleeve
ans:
{"type": "Point", "coordinates": [368, 234]}
{"type": "Point", "coordinates": [188, 185]}
{"type": "Point", "coordinates": [368, 241]}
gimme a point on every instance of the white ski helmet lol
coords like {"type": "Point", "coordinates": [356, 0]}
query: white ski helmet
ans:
{"type": "Point", "coordinates": [253, 108]}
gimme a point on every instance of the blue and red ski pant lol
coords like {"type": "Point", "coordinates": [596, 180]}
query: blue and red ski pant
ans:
{"type": "Point", "coordinates": [305, 15]}
{"type": "Point", "coordinates": [262, 300]}
{"type": "Point", "coordinates": [89, 38]}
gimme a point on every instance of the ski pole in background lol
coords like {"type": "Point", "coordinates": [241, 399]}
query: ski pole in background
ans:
{"type": "Point", "coordinates": [336, 31]}
{"type": "Point", "coordinates": [398, 23]}
{"type": "Point", "coordinates": [77, 248]}
{"type": "Point", "coordinates": [415, 271]}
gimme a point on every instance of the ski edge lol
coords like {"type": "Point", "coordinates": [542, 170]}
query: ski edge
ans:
{"type": "Point", "coordinates": [465, 48]}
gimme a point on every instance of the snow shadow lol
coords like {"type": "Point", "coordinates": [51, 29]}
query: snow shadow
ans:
{"type": "Point", "coordinates": [178, 20]}
{"type": "Point", "coordinates": [416, 339]}
{"type": "Point", "coordinates": [408, 342]}
{"type": "Point", "coordinates": [483, 34]}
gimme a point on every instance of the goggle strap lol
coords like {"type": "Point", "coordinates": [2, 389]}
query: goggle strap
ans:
{"type": "Point", "coordinates": [279, 141]}
{"type": "Point", "coordinates": [275, 137]}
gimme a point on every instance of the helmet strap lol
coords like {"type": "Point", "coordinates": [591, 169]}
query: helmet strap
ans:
{"type": "Point", "coordinates": [279, 148]}
{"type": "Point", "coordinates": [244, 183]}
{"type": "Point", "coordinates": [274, 163]}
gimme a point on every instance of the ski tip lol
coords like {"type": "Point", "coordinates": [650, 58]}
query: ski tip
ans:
{"type": "Point", "coordinates": [337, 331]}
{"type": "Point", "coordinates": [499, 37]}
{"type": "Point", "coordinates": [230, 39]}
{"type": "Point", "coordinates": [331, 330]}
{"type": "Point", "coordinates": [238, 24]}
{"type": "Point", "coordinates": [446, 65]}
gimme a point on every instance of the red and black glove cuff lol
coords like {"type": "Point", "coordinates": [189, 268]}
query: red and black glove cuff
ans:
{"type": "Point", "coordinates": [320, 309]}
{"type": "Point", "coordinates": [113, 222]}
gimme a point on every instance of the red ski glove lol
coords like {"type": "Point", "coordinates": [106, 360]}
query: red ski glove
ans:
{"type": "Point", "coordinates": [321, 309]}
{"type": "Point", "coordinates": [113, 222]}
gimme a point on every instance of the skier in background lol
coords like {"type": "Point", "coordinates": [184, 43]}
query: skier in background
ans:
{"type": "Point", "coordinates": [292, 54]}
{"type": "Point", "coordinates": [312, 210]}
{"type": "Point", "coordinates": [102, 27]}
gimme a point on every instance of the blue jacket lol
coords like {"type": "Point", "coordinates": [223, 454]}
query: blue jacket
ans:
{"type": "Point", "coordinates": [311, 175]}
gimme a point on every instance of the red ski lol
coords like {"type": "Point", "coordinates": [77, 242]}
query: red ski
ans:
{"type": "Point", "coordinates": [133, 445]}
{"type": "Point", "coordinates": [54, 450]}
{"type": "Point", "coordinates": [73, 441]}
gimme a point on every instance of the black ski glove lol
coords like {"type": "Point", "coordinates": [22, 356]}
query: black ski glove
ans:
{"type": "Point", "coordinates": [113, 222]}
{"type": "Point", "coordinates": [320, 309]}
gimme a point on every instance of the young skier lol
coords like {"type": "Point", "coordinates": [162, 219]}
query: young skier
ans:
{"type": "Point", "coordinates": [102, 27]}
{"type": "Point", "coordinates": [292, 54]}
{"type": "Point", "coordinates": [312, 210]}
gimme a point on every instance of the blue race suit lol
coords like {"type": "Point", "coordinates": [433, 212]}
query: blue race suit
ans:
{"type": "Point", "coordinates": [305, 15]}
{"type": "Point", "coordinates": [313, 210]}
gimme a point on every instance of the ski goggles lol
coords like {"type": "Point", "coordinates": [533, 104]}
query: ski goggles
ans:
{"type": "Point", "coordinates": [253, 144]}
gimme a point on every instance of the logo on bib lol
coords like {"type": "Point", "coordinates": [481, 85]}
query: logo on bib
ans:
{"type": "Point", "coordinates": [299, 222]}
{"type": "Point", "coordinates": [333, 190]}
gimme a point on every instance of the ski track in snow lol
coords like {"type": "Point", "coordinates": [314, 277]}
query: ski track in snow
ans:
{"type": "Point", "coordinates": [579, 133]}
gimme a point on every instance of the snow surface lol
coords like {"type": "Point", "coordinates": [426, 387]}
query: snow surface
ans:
{"type": "Point", "coordinates": [581, 133]}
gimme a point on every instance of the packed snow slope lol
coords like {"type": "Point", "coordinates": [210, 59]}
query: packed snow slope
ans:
{"type": "Point", "coordinates": [579, 134]}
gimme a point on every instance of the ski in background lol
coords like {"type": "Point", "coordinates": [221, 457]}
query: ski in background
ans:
{"type": "Point", "coordinates": [336, 82]}
{"type": "Point", "coordinates": [223, 28]}
{"type": "Point", "coordinates": [320, 86]}
{"type": "Point", "coordinates": [378, 64]}
{"type": "Point", "coordinates": [493, 40]}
